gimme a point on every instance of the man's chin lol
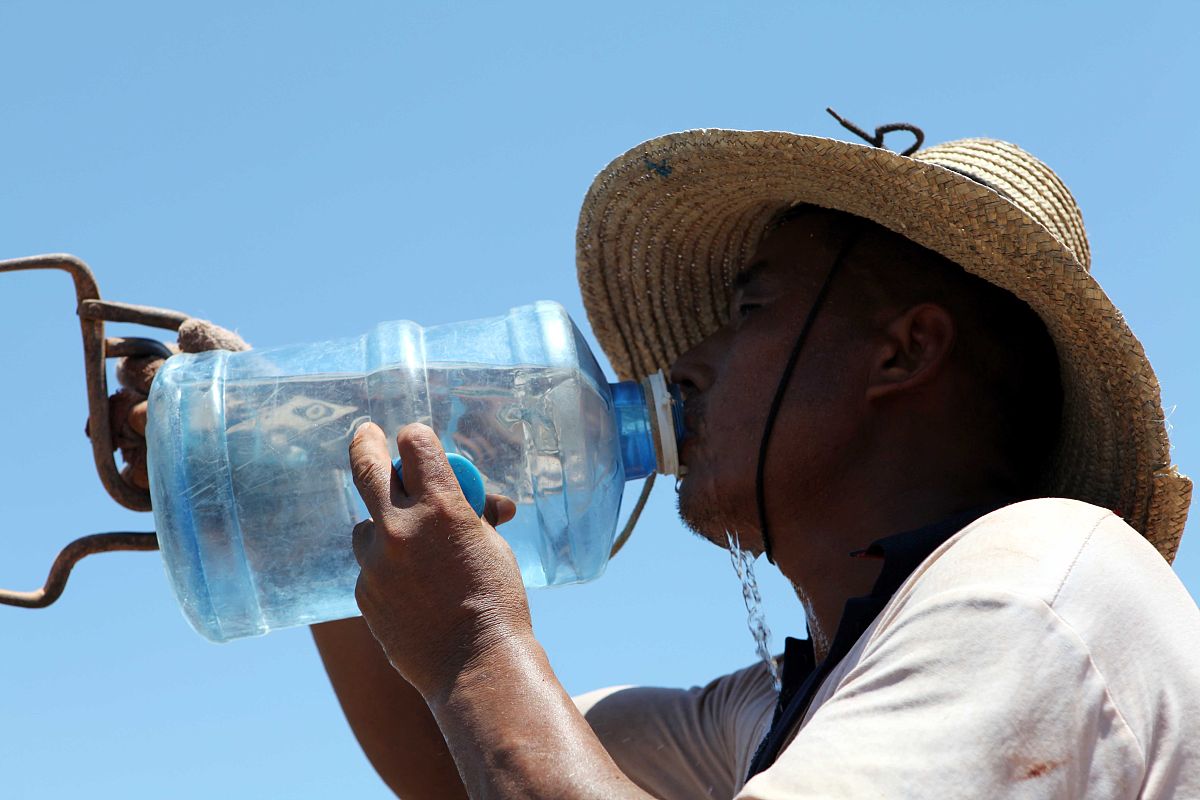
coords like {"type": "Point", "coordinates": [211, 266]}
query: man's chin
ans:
{"type": "Point", "coordinates": [704, 520]}
{"type": "Point", "coordinates": [711, 524]}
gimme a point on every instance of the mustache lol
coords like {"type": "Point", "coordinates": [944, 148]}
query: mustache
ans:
{"type": "Point", "coordinates": [693, 415]}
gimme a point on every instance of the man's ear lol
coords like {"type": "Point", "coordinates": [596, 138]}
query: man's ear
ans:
{"type": "Point", "coordinates": [913, 348]}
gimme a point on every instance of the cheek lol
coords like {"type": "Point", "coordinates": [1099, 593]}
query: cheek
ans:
{"type": "Point", "coordinates": [735, 411]}
{"type": "Point", "coordinates": [734, 450]}
{"type": "Point", "coordinates": [711, 509]}
{"type": "Point", "coordinates": [818, 427]}
{"type": "Point", "coordinates": [718, 491]}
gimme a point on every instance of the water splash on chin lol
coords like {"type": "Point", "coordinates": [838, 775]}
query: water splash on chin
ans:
{"type": "Point", "coordinates": [743, 565]}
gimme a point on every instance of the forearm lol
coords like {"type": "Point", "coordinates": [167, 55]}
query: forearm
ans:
{"type": "Point", "coordinates": [465, 640]}
{"type": "Point", "coordinates": [389, 717]}
{"type": "Point", "coordinates": [515, 733]}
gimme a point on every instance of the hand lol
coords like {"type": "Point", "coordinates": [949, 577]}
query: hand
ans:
{"type": "Point", "coordinates": [439, 588]}
{"type": "Point", "coordinates": [127, 419]}
{"type": "Point", "coordinates": [127, 408]}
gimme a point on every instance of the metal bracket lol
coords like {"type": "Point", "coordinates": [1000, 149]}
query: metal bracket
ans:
{"type": "Point", "coordinates": [93, 313]}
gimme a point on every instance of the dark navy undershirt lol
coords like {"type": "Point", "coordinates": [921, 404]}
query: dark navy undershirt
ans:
{"type": "Point", "coordinates": [802, 676]}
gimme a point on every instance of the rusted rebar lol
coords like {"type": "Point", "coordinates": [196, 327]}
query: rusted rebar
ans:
{"type": "Point", "coordinates": [112, 311]}
{"type": "Point", "coordinates": [93, 313]}
{"type": "Point", "coordinates": [60, 571]}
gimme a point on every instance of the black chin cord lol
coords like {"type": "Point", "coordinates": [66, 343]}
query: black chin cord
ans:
{"type": "Point", "coordinates": [760, 492]}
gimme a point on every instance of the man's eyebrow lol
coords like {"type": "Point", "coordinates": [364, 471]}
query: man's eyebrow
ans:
{"type": "Point", "coordinates": [749, 274]}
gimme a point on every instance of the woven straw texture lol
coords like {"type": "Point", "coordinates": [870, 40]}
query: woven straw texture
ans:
{"type": "Point", "coordinates": [665, 228]}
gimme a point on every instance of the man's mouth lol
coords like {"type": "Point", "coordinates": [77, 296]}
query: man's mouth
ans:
{"type": "Point", "coordinates": [693, 415]}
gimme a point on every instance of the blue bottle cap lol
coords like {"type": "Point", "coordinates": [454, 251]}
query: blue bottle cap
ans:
{"type": "Point", "coordinates": [469, 480]}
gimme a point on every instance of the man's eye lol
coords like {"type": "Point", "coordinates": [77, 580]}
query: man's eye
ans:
{"type": "Point", "coordinates": [745, 309]}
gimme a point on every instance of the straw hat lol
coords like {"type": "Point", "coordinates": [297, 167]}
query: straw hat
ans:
{"type": "Point", "coordinates": [666, 226]}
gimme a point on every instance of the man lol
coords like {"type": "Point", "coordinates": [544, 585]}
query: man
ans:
{"type": "Point", "coordinates": [901, 385]}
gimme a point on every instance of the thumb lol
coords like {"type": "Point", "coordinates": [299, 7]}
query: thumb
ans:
{"type": "Point", "coordinates": [498, 510]}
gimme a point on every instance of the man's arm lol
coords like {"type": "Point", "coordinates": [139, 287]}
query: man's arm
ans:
{"type": "Point", "coordinates": [515, 732]}
{"type": "Point", "coordinates": [389, 717]}
{"type": "Point", "coordinates": [442, 593]}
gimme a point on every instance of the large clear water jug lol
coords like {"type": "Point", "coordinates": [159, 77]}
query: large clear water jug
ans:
{"type": "Point", "coordinates": [249, 472]}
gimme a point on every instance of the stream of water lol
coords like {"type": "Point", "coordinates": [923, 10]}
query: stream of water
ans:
{"type": "Point", "coordinates": [743, 565]}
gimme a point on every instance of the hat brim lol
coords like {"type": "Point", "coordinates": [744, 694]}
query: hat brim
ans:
{"type": "Point", "coordinates": [666, 227]}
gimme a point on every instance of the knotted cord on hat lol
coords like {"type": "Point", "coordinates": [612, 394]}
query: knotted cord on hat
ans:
{"type": "Point", "coordinates": [760, 492]}
{"type": "Point", "coordinates": [881, 131]}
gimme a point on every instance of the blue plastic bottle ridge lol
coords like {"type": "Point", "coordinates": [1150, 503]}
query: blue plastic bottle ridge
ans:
{"type": "Point", "coordinates": [249, 473]}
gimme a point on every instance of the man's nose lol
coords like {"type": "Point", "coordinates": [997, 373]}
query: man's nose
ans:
{"type": "Point", "coordinates": [693, 370]}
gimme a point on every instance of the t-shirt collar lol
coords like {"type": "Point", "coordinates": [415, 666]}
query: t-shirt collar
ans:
{"type": "Point", "coordinates": [902, 553]}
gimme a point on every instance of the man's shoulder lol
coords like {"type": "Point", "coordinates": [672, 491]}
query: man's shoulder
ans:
{"type": "Point", "coordinates": [1094, 572]}
{"type": "Point", "coordinates": [1052, 619]}
{"type": "Point", "coordinates": [1102, 585]}
{"type": "Point", "coordinates": [1041, 548]}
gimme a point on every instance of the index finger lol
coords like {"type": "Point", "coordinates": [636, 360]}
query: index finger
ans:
{"type": "Point", "coordinates": [371, 466]}
{"type": "Point", "coordinates": [426, 468]}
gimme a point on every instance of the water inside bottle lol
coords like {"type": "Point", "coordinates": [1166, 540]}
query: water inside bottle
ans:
{"type": "Point", "coordinates": [743, 565]}
{"type": "Point", "coordinates": [296, 504]}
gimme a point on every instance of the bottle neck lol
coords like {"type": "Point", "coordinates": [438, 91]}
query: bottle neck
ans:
{"type": "Point", "coordinates": [649, 415]}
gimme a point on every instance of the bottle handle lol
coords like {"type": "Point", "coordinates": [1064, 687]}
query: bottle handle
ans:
{"type": "Point", "coordinates": [469, 480]}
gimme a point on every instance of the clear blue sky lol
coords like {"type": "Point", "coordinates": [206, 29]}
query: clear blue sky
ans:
{"type": "Point", "coordinates": [301, 171]}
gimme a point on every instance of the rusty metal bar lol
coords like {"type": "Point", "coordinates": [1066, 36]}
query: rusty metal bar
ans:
{"type": "Point", "coordinates": [99, 428]}
{"type": "Point", "coordinates": [112, 311]}
{"type": "Point", "coordinates": [85, 546]}
{"type": "Point", "coordinates": [93, 313]}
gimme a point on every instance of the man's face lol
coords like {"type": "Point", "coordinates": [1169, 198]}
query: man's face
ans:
{"type": "Point", "coordinates": [729, 381]}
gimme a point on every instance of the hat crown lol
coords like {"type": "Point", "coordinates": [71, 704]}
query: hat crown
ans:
{"type": "Point", "coordinates": [1023, 180]}
{"type": "Point", "coordinates": [666, 227]}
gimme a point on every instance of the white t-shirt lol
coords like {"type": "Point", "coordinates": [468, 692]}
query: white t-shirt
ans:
{"type": "Point", "coordinates": [1044, 651]}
